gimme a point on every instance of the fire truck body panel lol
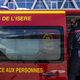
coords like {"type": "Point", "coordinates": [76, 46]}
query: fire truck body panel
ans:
{"type": "Point", "coordinates": [50, 25]}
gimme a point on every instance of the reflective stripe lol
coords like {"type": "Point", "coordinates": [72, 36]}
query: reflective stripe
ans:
{"type": "Point", "coordinates": [32, 12]}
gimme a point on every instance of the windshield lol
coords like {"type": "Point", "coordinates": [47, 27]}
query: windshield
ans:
{"type": "Point", "coordinates": [31, 43]}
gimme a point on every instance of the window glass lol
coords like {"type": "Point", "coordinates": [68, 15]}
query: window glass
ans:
{"type": "Point", "coordinates": [23, 43]}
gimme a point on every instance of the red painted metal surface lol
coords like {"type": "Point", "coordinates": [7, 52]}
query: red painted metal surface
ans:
{"type": "Point", "coordinates": [17, 70]}
{"type": "Point", "coordinates": [72, 12]}
{"type": "Point", "coordinates": [36, 20]}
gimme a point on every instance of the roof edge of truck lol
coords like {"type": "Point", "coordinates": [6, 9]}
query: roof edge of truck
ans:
{"type": "Point", "coordinates": [32, 12]}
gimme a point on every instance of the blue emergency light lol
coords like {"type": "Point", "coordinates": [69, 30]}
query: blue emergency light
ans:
{"type": "Point", "coordinates": [4, 8]}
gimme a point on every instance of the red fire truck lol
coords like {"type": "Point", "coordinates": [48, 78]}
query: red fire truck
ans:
{"type": "Point", "coordinates": [33, 45]}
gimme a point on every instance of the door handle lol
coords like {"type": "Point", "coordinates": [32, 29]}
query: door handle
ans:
{"type": "Point", "coordinates": [49, 74]}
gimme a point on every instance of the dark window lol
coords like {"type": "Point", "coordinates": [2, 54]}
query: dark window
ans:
{"type": "Point", "coordinates": [32, 43]}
